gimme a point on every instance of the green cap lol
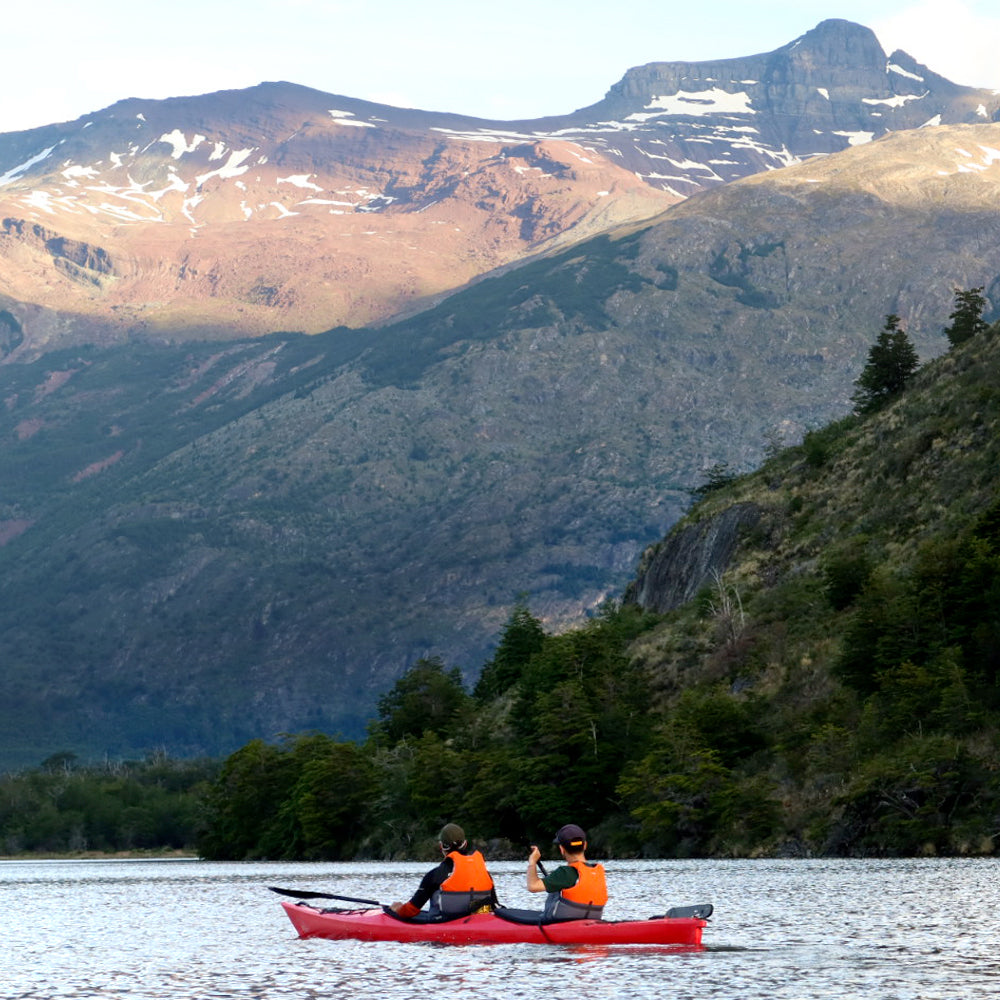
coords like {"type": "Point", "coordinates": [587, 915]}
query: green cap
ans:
{"type": "Point", "coordinates": [452, 835]}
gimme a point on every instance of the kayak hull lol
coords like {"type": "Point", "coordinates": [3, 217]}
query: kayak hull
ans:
{"type": "Point", "coordinates": [485, 928]}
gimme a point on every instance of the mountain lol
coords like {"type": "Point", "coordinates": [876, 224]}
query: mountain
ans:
{"type": "Point", "coordinates": [283, 208]}
{"type": "Point", "coordinates": [209, 540]}
{"type": "Point", "coordinates": [278, 207]}
{"type": "Point", "coordinates": [834, 87]}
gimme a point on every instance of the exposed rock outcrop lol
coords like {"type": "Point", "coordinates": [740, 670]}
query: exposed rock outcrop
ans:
{"type": "Point", "coordinates": [11, 335]}
{"type": "Point", "coordinates": [674, 570]}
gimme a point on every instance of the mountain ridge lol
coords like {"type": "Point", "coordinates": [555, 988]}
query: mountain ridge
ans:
{"type": "Point", "coordinates": [280, 207]}
{"type": "Point", "coordinates": [217, 539]}
{"type": "Point", "coordinates": [178, 217]}
{"type": "Point", "coordinates": [212, 541]}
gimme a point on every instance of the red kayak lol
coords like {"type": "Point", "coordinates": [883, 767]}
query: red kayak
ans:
{"type": "Point", "coordinates": [491, 928]}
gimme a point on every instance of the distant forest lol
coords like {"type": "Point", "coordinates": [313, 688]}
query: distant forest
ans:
{"type": "Point", "coordinates": [566, 728]}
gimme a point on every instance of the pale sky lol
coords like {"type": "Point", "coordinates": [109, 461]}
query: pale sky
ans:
{"type": "Point", "coordinates": [516, 59]}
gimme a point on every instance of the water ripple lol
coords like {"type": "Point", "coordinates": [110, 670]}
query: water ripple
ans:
{"type": "Point", "coordinates": [785, 930]}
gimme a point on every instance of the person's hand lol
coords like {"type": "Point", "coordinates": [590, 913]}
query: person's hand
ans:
{"type": "Point", "coordinates": [534, 883]}
{"type": "Point", "coordinates": [396, 907]}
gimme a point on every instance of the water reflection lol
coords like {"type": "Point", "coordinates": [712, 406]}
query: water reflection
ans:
{"type": "Point", "coordinates": [786, 930]}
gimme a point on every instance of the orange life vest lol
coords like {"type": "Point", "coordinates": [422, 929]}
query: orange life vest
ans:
{"type": "Point", "coordinates": [591, 887]}
{"type": "Point", "coordinates": [582, 901]}
{"type": "Point", "coordinates": [468, 874]}
{"type": "Point", "coordinates": [467, 888]}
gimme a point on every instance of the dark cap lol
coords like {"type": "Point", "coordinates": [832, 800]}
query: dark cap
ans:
{"type": "Point", "coordinates": [572, 836]}
{"type": "Point", "coordinates": [452, 835]}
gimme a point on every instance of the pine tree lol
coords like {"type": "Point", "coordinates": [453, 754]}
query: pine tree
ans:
{"type": "Point", "coordinates": [892, 360]}
{"type": "Point", "coordinates": [427, 698]}
{"type": "Point", "coordinates": [717, 477]}
{"type": "Point", "coordinates": [523, 636]}
{"type": "Point", "coordinates": [967, 319]}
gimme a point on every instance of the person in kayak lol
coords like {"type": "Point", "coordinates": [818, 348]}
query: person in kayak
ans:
{"type": "Point", "coordinates": [460, 885]}
{"type": "Point", "coordinates": [576, 890]}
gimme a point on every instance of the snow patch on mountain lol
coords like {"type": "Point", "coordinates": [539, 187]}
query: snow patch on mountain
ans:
{"type": "Point", "coordinates": [974, 163]}
{"type": "Point", "coordinates": [22, 168]}
{"type": "Point", "coordinates": [498, 135]}
{"type": "Point", "coordinates": [179, 143]}
{"type": "Point", "coordinates": [699, 103]}
{"type": "Point", "coordinates": [348, 118]}
{"type": "Point", "coordinates": [300, 180]}
{"type": "Point", "coordinates": [233, 167]}
{"type": "Point", "coordinates": [894, 68]}
{"type": "Point", "coordinates": [894, 102]}
{"type": "Point", "coordinates": [856, 138]}
{"type": "Point", "coordinates": [76, 170]}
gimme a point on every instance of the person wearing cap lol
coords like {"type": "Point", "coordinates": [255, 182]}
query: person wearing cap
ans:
{"type": "Point", "coordinates": [576, 890]}
{"type": "Point", "coordinates": [458, 886]}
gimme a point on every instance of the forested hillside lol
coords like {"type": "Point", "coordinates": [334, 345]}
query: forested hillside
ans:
{"type": "Point", "coordinates": [836, 690]}
{"type": "Point", "coordinates": [66, 807]}
{"type": "Point", "coordinates": [833, 687]}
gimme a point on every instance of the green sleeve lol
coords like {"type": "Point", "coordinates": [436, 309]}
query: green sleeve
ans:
{"type": "Point", "coordinates": [562, 878]}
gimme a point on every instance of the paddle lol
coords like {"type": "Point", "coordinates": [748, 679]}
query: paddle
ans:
{"type": "Point", "coordinates": [303, 894]}
{"type": "Point", "coordinates": [541, 871]}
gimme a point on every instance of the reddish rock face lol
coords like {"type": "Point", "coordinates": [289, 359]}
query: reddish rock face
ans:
{"type": "Point", "coordinates": [222, 217]}
{"type": "Point", "coordinates": [282, 208]}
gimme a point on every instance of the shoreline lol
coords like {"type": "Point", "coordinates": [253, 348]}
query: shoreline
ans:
{"type": "Point", "coordinates": [150, 855]}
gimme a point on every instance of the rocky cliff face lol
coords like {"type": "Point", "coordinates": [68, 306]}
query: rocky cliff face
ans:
{"type": "Point", "coordinates": [693, 555]}
{"type": "Point", "coordinates": [282, 208]}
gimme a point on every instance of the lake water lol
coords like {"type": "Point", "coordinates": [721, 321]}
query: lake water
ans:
{"type": "Point", "coordinates": [782, 930]}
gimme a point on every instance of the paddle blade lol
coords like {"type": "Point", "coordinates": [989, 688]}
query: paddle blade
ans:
{"type": "Point", "coordinates": [701, 911]}
{"type": "Point", "coordinates": [305, 894]}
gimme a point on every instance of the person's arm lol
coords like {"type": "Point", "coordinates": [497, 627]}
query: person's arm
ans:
{"type": "Point", "coordinates": [535, 884]}
{"type": "Point", "coordinates": [429, 884]}
{"type": "Point", "coordinates": [562, 878]}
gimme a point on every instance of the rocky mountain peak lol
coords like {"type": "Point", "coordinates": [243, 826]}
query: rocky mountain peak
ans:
{"type": "Point", "coordinates": [280, 207]}
{"type": "Point", "coordinates": [834, 52]}
{"type": "Point", "coordinates": [834, 44]}
{"type": "Point", "coordinates": [831, 88]}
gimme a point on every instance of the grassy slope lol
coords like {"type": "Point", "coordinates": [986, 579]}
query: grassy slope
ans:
{"type": "Point", "coordinates": [884, 761]}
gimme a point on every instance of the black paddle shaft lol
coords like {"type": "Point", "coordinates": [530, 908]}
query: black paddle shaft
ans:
{"type": "Point", "coordinates": [304, 894]}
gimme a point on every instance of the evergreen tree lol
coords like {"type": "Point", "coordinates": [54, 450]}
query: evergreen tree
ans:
{"type": "Point", "coordinates": [892, 360]}
{"type": "Point", "coordinates": [967, 319]}
{"type": "Point", "coordinates": [523, 636]}
{"type": "Point", "coordinates": [427, 698]}
{"type": "Point", "coordinates": [716, 478]}
{"type": "Point", "coordinates": [242, 807]}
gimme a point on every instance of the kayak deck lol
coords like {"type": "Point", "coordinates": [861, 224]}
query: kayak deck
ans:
{"type": "Point", "coordinates": [486, 928]}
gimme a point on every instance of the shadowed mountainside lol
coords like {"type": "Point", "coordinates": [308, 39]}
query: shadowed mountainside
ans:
{"type": "Point", "coordinates": [211, 541]}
